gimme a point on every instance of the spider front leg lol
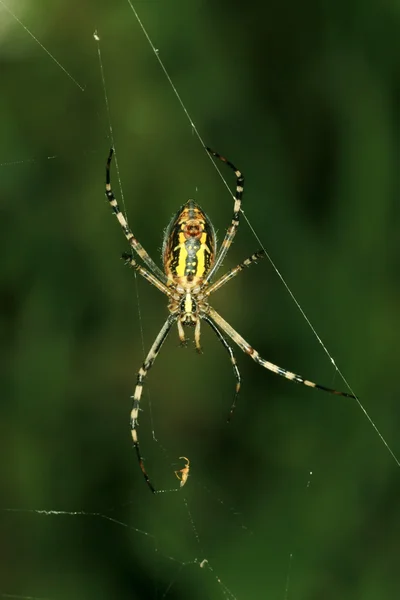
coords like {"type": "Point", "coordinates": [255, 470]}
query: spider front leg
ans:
{"type": "Point", "coordinates": [148, 363]}
{"type": "Point", "coordinates": [135, 245]}
{"type": "Point", "coordinates": [231, 232]}
{"type": "Point", "coordinates": [245, 346]}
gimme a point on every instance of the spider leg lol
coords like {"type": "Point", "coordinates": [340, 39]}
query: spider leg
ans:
{"type": "Point", "coordinates": [129, 260]}
{"type": "Point", "coordinates": [197, 331]}
{"type": "Point", "coordinates": [148, 363]}
{"type": "Point", "coordinates": [181, 334]}
{"type": "Point", "coordinates": [233, 361]}
{"type": "Point", "coordinates": [231, 232]}
{"type": "Point", "coordinates": [136, 246]}
{"type": "Point", "coordinates": [243, 345]}
{"type": "Point", "coordinates": [233, 272]}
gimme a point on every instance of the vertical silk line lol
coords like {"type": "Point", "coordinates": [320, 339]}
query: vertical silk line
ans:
{"type": "Point", "coordinates": [110, 127]}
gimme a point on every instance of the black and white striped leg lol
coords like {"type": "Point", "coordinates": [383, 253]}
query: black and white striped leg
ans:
{"type": "Point", "coordinates": [236, 371]}
{"type": "Point", "coordinates": [245, 346]}
{"type": "Point", "coordinates": [233, 272]}
{"type": "Point", "coordinates": [129, 260]}
{"type": "Point", "coordinates": [136, 246]}
{"type": "Point", "coordinates": [231, 232]}
{"type": "Point", "coordinates": [148, 363]}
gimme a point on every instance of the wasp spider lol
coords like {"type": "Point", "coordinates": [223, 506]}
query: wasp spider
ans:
{"type": "Point", "coordinates": [190, 261]}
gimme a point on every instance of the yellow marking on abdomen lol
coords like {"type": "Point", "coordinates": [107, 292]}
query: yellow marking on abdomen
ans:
{"type": "Point", "coordinates": [182, 256]}
{"type": "Point", "coordinates": [202, 260]}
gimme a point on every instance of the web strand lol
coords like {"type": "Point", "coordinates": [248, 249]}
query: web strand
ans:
{"type": "Point", "coordinates": [291, 294]}
{"type": "Point", "coordinates": [53, 58]}
{"type": "Point", "coordinates": [111, 132]}
{"type": "Point", "coordinates": [204, 563]}
{"type": "Point", "coordinates": [110, 127]}
{"type": "Point", "coordinates": [287, 585]}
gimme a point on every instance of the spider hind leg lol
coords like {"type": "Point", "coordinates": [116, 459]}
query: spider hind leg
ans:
{"type": "Point", "coordinates": [247, 349]}
{"type": "Point", "coordinates": [236, 371]}
{"type": "Point", "coordinates": [144, 369]}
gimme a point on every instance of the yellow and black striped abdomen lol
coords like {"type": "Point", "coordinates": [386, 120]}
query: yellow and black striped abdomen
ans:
{"type": "Point", "coordinates": [189, 244]}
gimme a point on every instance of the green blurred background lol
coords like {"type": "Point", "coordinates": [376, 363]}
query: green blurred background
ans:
{"type": "Point", "coordinates": [304, 98]}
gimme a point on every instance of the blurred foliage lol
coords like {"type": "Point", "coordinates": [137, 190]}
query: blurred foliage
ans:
{"type": "Point", "coordinates": [304, 98]}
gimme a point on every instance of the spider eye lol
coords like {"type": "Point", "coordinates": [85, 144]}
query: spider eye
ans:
{"type": "Point", "coordinates": [193, 228]}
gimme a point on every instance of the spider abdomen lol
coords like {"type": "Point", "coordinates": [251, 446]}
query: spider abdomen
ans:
{"type": "Point", "coordinates": [189, 244]}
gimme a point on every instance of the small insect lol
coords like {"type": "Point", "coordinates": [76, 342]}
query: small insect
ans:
{"type": "Point", "coordinates": [191, 260]}
{"type": "Point", "coordinates": [183, 473]}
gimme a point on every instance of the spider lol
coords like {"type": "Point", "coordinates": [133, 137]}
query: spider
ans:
{"type": "Point", "coordinates": [183, 473]}
{"type": "Point", "coordinates": [190, 261]}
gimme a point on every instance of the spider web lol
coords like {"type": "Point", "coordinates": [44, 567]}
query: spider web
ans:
{"type": "Point", "coordinates": [313, 483]}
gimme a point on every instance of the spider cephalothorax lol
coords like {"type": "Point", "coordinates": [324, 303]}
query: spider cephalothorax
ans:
{"type": "Point", "coordinates": [190, 261]}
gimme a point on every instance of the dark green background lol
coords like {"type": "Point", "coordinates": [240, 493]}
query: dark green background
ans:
{"type": "Point", "coordinates": [304, 98]}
